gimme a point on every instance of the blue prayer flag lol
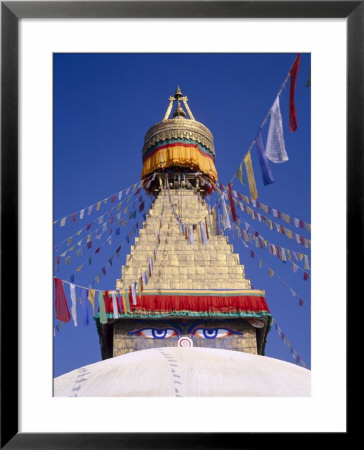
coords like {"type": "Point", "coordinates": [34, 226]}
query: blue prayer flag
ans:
{"type": "Point", "coordinates": [263, 161]}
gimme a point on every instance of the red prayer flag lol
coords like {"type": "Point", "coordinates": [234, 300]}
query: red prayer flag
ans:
{"type": "Point", "coordinates": [292, 107]}
{"type": "Point", "coordinates": [74, 217]}
{"type": "Point", "coordinates": [305, 276]}
{"type": "Point", "coordinates": [62, 311]}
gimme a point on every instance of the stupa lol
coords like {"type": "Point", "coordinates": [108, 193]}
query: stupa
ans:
{"type": "Point", "coordinates": [182, 284]}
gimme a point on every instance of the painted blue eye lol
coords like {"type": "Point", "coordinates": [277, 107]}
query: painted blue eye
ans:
{"type": "Point", "coordinates": [159, 334]}
{"type": "Point", "coordinates": [212, 333]}
{"type": "Point", "coordinates": [155, 333]}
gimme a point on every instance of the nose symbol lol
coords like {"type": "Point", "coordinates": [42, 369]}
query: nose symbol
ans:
{"type": "Point", "coordinates": [185, 341]}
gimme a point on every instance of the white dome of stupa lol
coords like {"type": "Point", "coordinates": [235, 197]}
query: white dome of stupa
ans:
{"type": "Point", "coordinates": [186, 372]}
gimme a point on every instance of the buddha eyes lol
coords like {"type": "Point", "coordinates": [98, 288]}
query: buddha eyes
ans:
{"type": "Point", "coordinates": [154, 333]}
{"type": "Point", "coordinates": [165, 333]}
{"type": "Point", "coordinates": [211, 333]}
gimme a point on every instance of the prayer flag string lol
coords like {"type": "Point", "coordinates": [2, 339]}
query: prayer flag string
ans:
{"type": "Point", "coordinates": [289, 219]}
{"type": "Point", "coordinates": [283, 336]}
{"type": "Point", "coordinates": [272, 273]}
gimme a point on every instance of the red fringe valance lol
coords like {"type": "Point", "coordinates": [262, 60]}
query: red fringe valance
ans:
{"type": "Point", "coordinates": [195, 303]}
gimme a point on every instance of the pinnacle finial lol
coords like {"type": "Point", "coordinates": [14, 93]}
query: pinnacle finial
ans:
{"type": "Point", "coordinates": [178, 96]}
{"type": "Point", "coordinates": [178, 93]}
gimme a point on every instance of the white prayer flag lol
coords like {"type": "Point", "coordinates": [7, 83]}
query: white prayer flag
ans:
{"type": "Point", "coordinates": [73, 300]}
{"type": "Point", "coordinates": [114, 305]}
{"type": "Point", "coordinates": [275, 149]}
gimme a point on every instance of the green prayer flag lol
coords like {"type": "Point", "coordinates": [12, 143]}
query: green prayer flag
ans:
{"type": "Point", "coordinates": [239, 174]}
{"type": "Point", "coordinates": [103, 317]}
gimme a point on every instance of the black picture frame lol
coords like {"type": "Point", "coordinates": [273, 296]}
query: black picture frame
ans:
{"type": "Point", "coordinates": [11, 12]}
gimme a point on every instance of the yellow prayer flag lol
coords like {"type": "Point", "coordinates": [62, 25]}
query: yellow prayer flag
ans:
{"type": "Point", "coordinates": [125, 308]}
{"type": "Point", "coordinates": [91, 298]}
{"type": "Point", "coordinates": [288, 233]}
{"type": "Point", "coordinates": [250, 175]}
{"type": "Point", "coordinates": [79, 268]}
{"type": "Point", "coordinates": [98, 206]}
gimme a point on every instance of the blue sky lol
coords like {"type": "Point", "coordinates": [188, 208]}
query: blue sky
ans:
{"type": "Point", "coordinates": [103, 106]}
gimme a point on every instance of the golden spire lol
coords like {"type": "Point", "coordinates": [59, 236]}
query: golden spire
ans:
{"type": "Point", "coordinates": [178, 96]}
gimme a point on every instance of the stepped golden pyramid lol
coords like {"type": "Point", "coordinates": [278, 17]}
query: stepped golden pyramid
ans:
{"type": "Point", "coordinates": [180, 265]}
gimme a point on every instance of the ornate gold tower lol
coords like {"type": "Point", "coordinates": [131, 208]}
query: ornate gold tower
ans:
{"type": "Point", "coordinates": [182, 284]}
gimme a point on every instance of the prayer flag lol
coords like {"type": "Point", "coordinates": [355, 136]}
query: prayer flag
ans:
{"type": "Point", "coordinates": [239, 174]}
{"type": "Point", "coordinates": [74, 217]}
{"type": "Point", "coordinates": [63, 222]}
{"type": "Point", "coordinates": [61, 307]}
{"type": "Point", "coordinates": [305, 276]}
{"type": "Point", "coordinates": [225, 218]}
{"type": "Point", "coordinates": [190, 235]}
{"type": "Point", "coordinates": [300, 301]}
{"type": "Point", "coordinates": [133, 293]}
{"type": "Point", "coordinates": [203, 233]}
{"type": "Point", "coordinates": [232, 204]}
{"type": "Point", "coordinates": [251, 177]}
{"type": "Point", "coordinates": [275, 149]}
{"type": "Point", "coordinates": [91, 298]}
{"type": "Point", "coordinates": [102, 301]}
{"type": "Point", "coordinates": [73, 300]}
{"type": "Point", "coordinates": [263, 161]}
{"type": "Point", "coordinates": [114, 305]}
{"type": "Point", "coordinates": [307, 266]}
{"type": "Point", "coordinates": [84, 306]}
{"type": "Point", "coordinates": [292, 107]}
{"type": "Point", "coordinates": [82, 213]}
{"type": "Point", "coordinates": [90, 209]}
